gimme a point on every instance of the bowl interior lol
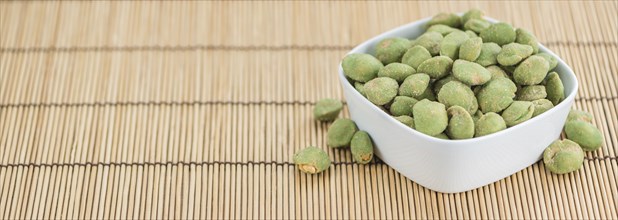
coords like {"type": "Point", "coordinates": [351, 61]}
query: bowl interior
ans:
{"type": "Point", "coordinates": [415, 29]}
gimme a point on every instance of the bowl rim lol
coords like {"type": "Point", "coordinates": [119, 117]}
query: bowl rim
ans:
{"type": "Point", "coordinates": [568, 98]}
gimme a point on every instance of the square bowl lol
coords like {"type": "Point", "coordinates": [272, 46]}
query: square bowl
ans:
{"type": "Point", "coordinates": [451, 166]}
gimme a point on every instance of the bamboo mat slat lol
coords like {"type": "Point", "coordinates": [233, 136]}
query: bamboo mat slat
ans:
{"type": "Point", "coordinates": [193, 109]}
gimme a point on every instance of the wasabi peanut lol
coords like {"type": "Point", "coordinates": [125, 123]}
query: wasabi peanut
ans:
{"type": "Point", "coordinates": [430, 117]}
{"type": "Point", "coordinates": [448, 19]}
{"type": "Point", "coordinates": [584, 134]}
{"type": "Point", "coordinates": [577, 115]}
{"type": "Point", "coordinates": [415, 56]}
{"type": "Point", "coordinates": [472, 14]}
{"type": "Point", "coordinates": [460, 125]}
{"type": "Point", "coordinates": [442, 136]}
{"type": "Point", "coordinates": [488, 124]}
{"type": "Point", "coordinates": [527, 38]}
{"type": "Point", "coordinates": [554, 88]}
{"type": "Point", "coordinates": [430, 41]}
{"type": "Point", "coordinates": [553, 62]}
{"type": "Point", "coordinates": [540, 106]}
{"type": "Point", "coordinates": [361, 147]}
{"type": "Point", "coordinates": [442, 29]}
{"type": "Point", "coordinates": [470, 73]}
{"type": "Point", "coordinates": [471, 34]}
{"type": "Point", "coordinates": [406, 120]}
{"type": "Point", "coordinates": [471, 49]}
{"type": "Point", "coordinates": [311, 160]}
{"type": "Point", "coordinates": [391, 49]}
{"type": "Point", "coordinates": [436, 67]}
{"type": "Point", "coordinates": [360, 87]}
{"type": "Point", "coordinates": [455, 93]}
{"type": "Point", "coordinates": [381, 90]}
{"type": "Point", "coordinates": [340, 133]}
{"type": "Point", "coordinates": [477, 25]}
{"type": "Point", "coordinates": [451, 43]}
{"type": "Point", "coordinates": [402, 105]}
{"type": "Point", "coordinates": [396, 71]}
{"type": "Point", "coordinates": [513, 53]}
{"type": "Point", "coordinates": [414, 85]}
{"type": "Point", "coordinates": [437, 86]}
{"type": "Point", "coordinates": [496, 95]}
{"type": "Point", "coordinates": [476, 116]}
{"type": "Point", "coordinates": [531, 93]}
{"type": "Point", "coordinates": [563, 157]}
{"type": "Point", "coordinates": [489, 54]}
{"type": "Point", "coordinates": [361, 67]}
{"type": "Point", "coordinates": [427, 94]}
{"type": "Point", "coordinates": [531, 71]}
{"type": "Point", "coordinates": [518, 112]}
{"type": "Point", "coordinates": [499, 33]}
{"type": "Point", "coordinates": [496, 72]}
{"type": "Point", "coordinates": [327, 109]}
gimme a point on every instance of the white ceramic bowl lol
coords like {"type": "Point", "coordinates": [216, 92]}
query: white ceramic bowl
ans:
{"type": "Point", "coordinates": [451, 166]}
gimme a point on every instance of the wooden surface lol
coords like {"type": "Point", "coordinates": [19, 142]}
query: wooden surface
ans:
{"type": "Point", "coordinates": [194, 109]}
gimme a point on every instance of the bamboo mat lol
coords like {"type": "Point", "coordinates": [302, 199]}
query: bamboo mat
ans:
{"type": "Point", "coordinates": [194, 109]}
